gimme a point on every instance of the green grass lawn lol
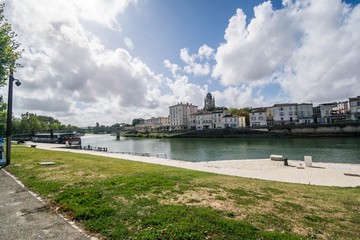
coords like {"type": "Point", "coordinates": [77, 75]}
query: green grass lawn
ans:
{"type": "Point", "coordinates": [121, 199]}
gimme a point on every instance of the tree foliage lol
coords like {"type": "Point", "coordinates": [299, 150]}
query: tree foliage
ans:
{"type": "Point", "coordinates": [30, 122]}
{"type": "Point", "coordinates": [241, 112]}
{"type": "Point", "coordinates": [9, 48]}
{"type": "Point", "coordinates": [136, 121]}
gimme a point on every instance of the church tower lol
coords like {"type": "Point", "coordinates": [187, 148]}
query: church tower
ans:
{"type": "Point", "coordinates": [209, 102]}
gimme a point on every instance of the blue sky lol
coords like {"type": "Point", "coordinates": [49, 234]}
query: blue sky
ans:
{"type": "Point", "coordinates": [115, 60]}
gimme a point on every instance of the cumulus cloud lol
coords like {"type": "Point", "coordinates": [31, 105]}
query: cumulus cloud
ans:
{"type": "Point", "coordinates": [197, 64]}
{"type": "Point", "coordinates": [309, 47]}
{"type": "Point", "coordinates": [69, 72]}
{"type": "Point", "coordinates": [102, 12]}
{"type": "Point", "coordinates": [172, 67]}
{"type": "Point", "coordinates": [185, 91]}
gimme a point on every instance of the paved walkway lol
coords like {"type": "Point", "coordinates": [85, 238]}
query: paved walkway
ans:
{"type": "Point", "coordinates": [322, 174]}
{"type": "Point", "coordinates": [23, 216]}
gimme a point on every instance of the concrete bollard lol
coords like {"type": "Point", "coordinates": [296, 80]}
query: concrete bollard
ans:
{"type": "Point", "coordinates": [308, 161]}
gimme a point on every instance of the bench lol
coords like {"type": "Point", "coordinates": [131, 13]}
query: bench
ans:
{"type": "Point", "coordinates": [276, 158]}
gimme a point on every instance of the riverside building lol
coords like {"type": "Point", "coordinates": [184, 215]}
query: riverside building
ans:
{"type": "Point", "coordinates": [179, 115]}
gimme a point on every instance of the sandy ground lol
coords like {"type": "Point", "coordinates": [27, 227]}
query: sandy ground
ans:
{"type": "Point", "coordinates": [322, 174]}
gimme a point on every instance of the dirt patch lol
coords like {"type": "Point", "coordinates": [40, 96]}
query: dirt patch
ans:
{"type": "Point", "coordinates": [204, 197]}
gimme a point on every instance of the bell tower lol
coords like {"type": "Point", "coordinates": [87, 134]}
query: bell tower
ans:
{"type": "Point", "coordinates": [209, 102]}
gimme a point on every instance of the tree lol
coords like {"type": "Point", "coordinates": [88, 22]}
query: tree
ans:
{"type": "Point", "coordinates": [9, 48]}
{"type": "Point", "coordinates": [137, 121]}
{"type": "Point", "coordinates": [2, 117]}
{"type": "Point", "coordinates": [241, 112]}
{"type": "Point", "coordinates": [9, 53]}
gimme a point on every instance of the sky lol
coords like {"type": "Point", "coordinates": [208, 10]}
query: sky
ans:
{"type": "Point", "coordinates": [110, 61]}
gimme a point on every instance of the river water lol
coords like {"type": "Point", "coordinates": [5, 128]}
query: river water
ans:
{"type": "Point", "coordinates": [334, 150]}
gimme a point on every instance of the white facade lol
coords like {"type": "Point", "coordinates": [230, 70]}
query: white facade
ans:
{"type": "Point", "coordinates": [305, 113]}
{"type": "Point", "coordinates": [202, 120]}
{"type": "Point", "coordinates": [258, 117]}
{"type": "Point", "coordinates": [354, 104]}
{"type": "Point", "coordinates": [215, 120]}
{"type": "Point", "coordinates": [285, 113]}
{"type": "Point", "coordinates": [153, 124]}
{"type": "Point", "coordinates": [179, 115]}
{"type": "Point", "coordinates": [218, 118]}
{"type": "Point", "coordinates": [231, 121]}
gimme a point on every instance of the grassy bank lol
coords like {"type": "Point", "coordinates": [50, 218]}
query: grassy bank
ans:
{"type": "Point", "coordinates": [122, 199]}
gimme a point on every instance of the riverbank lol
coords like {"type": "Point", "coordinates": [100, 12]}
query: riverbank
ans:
{"type": "Point", "coordinates": [129, 199]}
{"type": "Point", "coordinates": [322, 174]}
{"type": "Point", "coordinates": [279, 131]}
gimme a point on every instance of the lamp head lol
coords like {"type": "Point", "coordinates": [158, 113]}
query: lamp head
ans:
{"type": "Point", "coordinates": [17, 82]}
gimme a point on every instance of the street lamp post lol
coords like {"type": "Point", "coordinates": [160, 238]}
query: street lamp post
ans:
{"type": "Point", "coordinates": [9, 116]}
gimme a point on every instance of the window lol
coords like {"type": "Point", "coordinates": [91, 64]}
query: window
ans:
{"type": "Point", "coordinates": [281, 114]}
{"type": "Point", "coordinates": [358, 104]}
{"type": "Point", "coordinates": [261, 118]}
{"type": "Point", "coordinates": [290, 113]}
{"type": "Point", "coordinates": [281, 109]}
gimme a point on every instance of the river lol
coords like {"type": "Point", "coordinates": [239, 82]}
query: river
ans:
{"type": "Point", "coordinates": [334, 149]}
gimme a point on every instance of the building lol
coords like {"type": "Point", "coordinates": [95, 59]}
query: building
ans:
{"type": "Point", "coordinates": [354, 105]}
{"type": "Point", "coordinates": [154, 124]}
{"type": "Point", "coordinates": [179, 115]}
{"type": "Point", "coordinates": [201, 120]}
{"type": "Point", "coordinates": [217, 117]}
{"type": "Point", "coordinates": [258, 117]}
{"type": "Point", "coordinates": [316, 114]}
{"type": "Point", "coordinates": [209, 102]}
{"type": "Point", "coordinates": [333, 112]}
{"type": "Point", "coordinates": [325, 112]}
{"type": "Point", "coordinates": [231, 121]}
{"type": "Point", "coordinates": [305, 113]}
{"type": "Point", "coordinates": [285, 113]}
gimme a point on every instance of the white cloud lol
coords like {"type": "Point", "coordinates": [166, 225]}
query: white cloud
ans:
{"type": "Point", "coordinates": [103, 12]}
{"type": "Point", "coordinates": [309, 46]}
{"type": "Point", "coordinates": [238, 97]}
{"type": "Point", "coordinates": [184, 91]}
{"type": "Point", "coordinates": [69, 72]}
{"type": "Point", "coordinates": [206, 52]}
{"type": "Point", "coordinates": [197, 64]}
{"type": "Point", "coordinates": [172, 67]}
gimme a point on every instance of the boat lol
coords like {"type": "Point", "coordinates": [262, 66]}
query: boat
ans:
{"type": "Point", "coordinates": [62, 138]}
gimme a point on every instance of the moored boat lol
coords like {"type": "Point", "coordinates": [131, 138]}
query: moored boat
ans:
{"type": "Point", "coordinates": [62, 138]}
